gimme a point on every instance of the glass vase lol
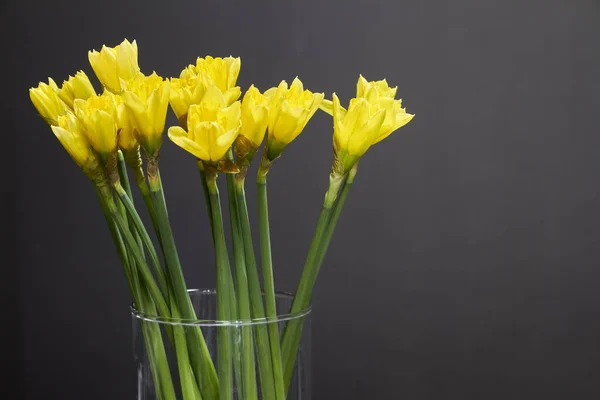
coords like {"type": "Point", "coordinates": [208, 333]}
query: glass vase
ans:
{"type": "Point", "coordinates": [168, 367]}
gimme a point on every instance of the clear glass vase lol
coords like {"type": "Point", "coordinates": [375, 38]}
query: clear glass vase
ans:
{"type": "Point", "coordinates": [170, 352]}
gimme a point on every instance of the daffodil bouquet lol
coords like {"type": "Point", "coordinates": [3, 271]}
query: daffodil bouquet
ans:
{"type": "Point", "coordinates": [123, 126]}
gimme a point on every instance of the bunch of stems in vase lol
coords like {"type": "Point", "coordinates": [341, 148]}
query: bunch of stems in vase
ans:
{"type": "Point", "coordinates": [122, 128]}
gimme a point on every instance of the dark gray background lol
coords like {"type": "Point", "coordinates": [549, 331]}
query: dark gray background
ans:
{"type": "Point", "coordinates": [465, 265]}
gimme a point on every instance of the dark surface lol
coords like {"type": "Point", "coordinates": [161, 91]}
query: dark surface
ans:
{"type": "Point", "coordinates": [465, 265]}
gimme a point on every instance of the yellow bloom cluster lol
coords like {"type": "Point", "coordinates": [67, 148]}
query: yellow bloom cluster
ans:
{"type": "Point", "coordinates": [205, 100]}
{"type": "Point", "coordinates": [131, 111]}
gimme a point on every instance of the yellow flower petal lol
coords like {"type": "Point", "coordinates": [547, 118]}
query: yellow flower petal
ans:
{"type": "Point", "coordinates": [363, 136]}
{"type": "Point", "coordinates": [76, 87]}
{"type": "Point", "coordinates": [289, 112]}
{"type": "Point", "coordinates": [229, 117]}
{"type": "Point", "coordinates": [47, 102]}
{"type": "Point", "coordinates": [223, 72]}
{"type": "Point", "coordinates": [98, 115]}
{"type": "Point", "coordinates": [402, 118]}
{"type": "Point", "coordinates": [223, 143]}
{"type": "Point", "coordinates": [327, 106]}
{"type": "Point", "coordinates": [147, 99]}
{"type": "Point", "coordinates": [179, 137]}
{"type": "Point", "coordinates": [361, 85]}
{"type": "Point", "coordinates": [114, 65]}
{"type": "Point", "coordinates": [212, 127]}
{"type": "Point", "coordinates": [232, 95]}
{"type": "Point", "coordinates": [255, 116]}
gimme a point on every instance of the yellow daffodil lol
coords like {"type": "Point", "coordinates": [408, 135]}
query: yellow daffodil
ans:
{"type": "Point", "coordinates": [289, 112]}
{"type": "Point", "coordinates": [70, 134]}
{"type": "Point", "coordinates": [255, 116]}
{"type": "Point", "coordinates": [212, 127]}
{"type": "Point", "coordinates": [98, 118]}
{"type": "Point", "coordinates": [223, 72]}
{"type": "Point", "coordinates": [358, 128]}
{"type": "Point", "coordinates": [147, 100]}
{"type": "Point", "coordinates": [46, 100]}
{"type": "Point", "coordinates": [191, 85]}
{"type": "Point", "coordinates": [186, 90]}
{"type": "Point", "coordinates": [355, 130]}
{"type": "Point", "coordinates": [76, 87]}
{"type": "Point", "coordinates": [113, 65]}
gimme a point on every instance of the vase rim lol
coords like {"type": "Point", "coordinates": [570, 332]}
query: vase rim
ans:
{"type": "Point", "coordinates": [212, 323]}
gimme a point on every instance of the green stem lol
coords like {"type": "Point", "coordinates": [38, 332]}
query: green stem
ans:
{"type": "Point", "coordinates": [121, 171]}
{"type": "Point", "coordinates": [121, 249]}
{"type": "Point", "coordinates": [136, 254]}
{"type": "Point", "coordinates": [231, 290]}
{"type": "Point", "coordinates": [265, 366]}
{"type": "Point", "coordinates": [269, 286]}
{"type": "Point", "coordinates": [293, 330]}
{"type": "Point", "coordinates": [145, 191]}
{"type": "Point", "coordinates": [223, 297]}
{"type": "Point", "coordinates": [124, 180]}
{"type": "Point", "coordinates": [248, 379]}
{"type": "Point", "coordinates": [140, 179]}
{"type": "Point", "coordinates": [155, 349]}
{"type": "Point", "coordinates": [202, 365]}
{"type": "Point", "coordinates": [141, 230]}
{"type": "Point", "coordinates": [186, 376]}
{"type": "Point", "coordinates": [152, 336]}
{"type": "Point", "coordinates": [335, 216]}
{"type": "Point", "coordinates": [206, 194]}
